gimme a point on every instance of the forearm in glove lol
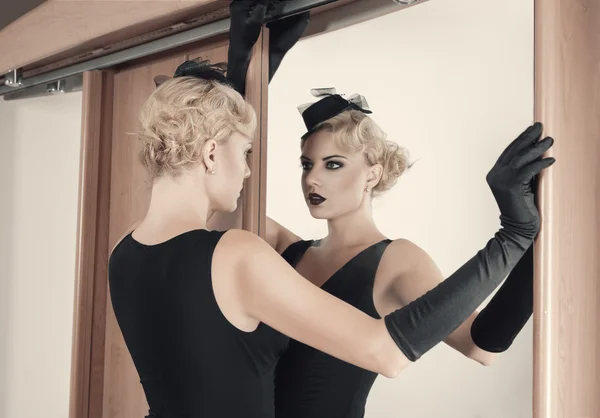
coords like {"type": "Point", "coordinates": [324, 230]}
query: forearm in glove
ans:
{"type": "Point", "coordinates": [497, 325]}
{"type": "Point", "coordinates": [422, 324]}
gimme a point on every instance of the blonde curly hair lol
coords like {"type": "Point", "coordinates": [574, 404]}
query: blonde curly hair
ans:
{"type": "Point", "coordinates": [183, 113]}
{"type": "Point", "coordinates": [355, 131]}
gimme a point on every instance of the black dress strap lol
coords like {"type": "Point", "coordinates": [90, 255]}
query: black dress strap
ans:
{"type": "Point", "coordinates": [295, 251]}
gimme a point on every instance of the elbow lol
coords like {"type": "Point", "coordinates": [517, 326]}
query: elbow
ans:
{"type": "Point", "coordinates": [488, 361]}
{"type": "Point", "coordinates": [391, 371]}
{"type": "Point", "coordinates": [388, 359]}
{"type": "Point", "coordinates": [394, 364]}
{"type": "Point", "coordinates": [484, 358]}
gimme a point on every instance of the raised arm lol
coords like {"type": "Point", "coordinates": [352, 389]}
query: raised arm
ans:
{"type": "Point", "coordinates": [400, 283]}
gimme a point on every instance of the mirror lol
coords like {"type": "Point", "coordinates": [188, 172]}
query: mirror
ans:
{"type": "Point", "coordinates": [453, 83]}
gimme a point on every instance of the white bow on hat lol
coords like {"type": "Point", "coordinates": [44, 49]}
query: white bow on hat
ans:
{"type": "Point", "coordinates": [355, 98]}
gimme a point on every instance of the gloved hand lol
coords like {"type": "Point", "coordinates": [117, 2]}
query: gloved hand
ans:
{"type": "Point", "coordinates": [283, 35]}
{"type": "Point", "coordinates": [499, 323]}
{"type": "Point", "coordinates": [422, 324]}
{"type": "Point", "coordinates": [511, 178]}
{"type": "Point", "coordinates": [247, 18]}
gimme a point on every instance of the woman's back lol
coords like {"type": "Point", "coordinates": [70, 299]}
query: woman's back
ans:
{"type": "Point", "coordinates": [191, 360]}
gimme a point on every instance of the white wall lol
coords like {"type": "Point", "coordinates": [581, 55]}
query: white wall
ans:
{"type": "Point", "coordinates": [39, 174]}
{"type": "Point", "coordinates": [453, 82]}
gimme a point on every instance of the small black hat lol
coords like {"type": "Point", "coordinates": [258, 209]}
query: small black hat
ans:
{"type": "Point", "coordinates": [332, 104]}
{"type": "Point", "coordinates": [198, 68]}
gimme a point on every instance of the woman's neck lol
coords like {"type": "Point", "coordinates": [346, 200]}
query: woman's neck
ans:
{"type": "Point", "coordinates": [355, 228]}
{"type": "Point", "coordinates": [177, 204]}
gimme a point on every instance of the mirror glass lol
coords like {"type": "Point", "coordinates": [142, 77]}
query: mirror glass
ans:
{"type": "Point", "coordinates": [452, 82]}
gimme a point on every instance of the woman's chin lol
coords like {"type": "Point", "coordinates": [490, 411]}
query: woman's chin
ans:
{"type": "Point", "coordinates": [229, 207]}
{"type": "Point", "coordinates": [318, 211]}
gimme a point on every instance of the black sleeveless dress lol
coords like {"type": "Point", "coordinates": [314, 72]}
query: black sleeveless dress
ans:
{"type": "Point", "coordinates": [191, 360]}
{"type": "Point", "coordinates": [312, 384]}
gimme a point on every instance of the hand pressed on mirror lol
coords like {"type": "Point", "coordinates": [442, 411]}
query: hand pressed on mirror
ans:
{"type": "Point", "coordinates": [498, 324]}
{"type": "Point", "coordinates": [247, 19]}
{"type": "Point", "coordinates": [283, 35]}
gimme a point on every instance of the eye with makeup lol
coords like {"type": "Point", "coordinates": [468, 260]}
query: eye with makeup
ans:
{"type": "Point", "coordinates": [333, 165]}
{"type": "Point", "coordinates": [305, 165]}
{"type": "Point", "coordinates": [248, 152]}
{"type": "Point", "coordinates": [329, 165]}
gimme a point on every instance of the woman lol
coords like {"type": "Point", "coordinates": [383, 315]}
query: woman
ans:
{"type": "Point", "coordinates": [205, 314]}
{"type": "Point", "coordinates": [346, 161]}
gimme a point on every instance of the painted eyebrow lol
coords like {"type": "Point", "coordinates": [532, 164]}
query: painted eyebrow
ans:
{"type": "Point", "coordinates": [303, 157]}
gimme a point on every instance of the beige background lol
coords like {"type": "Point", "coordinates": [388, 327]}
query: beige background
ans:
{"type": "Point", "coordinates": [39, 175]}
{"type": "Point", "coordinates": [453, 82]}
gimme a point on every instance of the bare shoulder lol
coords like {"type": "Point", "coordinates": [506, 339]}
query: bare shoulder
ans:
{"type": "Point", "coordinates": [406, 271]}
{"type": "Point", "coordinates": [404, 262]}
{"type": "Point", "coordinates": [240, 246]}
{"type": "Point", "coordinates": [239, 255]}
{"type": "Point", "coordinates": [249, 262]}
{"type": "Point", "coordinates": [403, 255]}
{"type": "Point", "coordinates": [240, 241]}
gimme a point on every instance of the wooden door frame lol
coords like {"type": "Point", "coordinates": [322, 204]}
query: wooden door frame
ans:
{"type": "Point", "coordinates": [567, 270]}
{"type": "Point", "coordinates": [257, 93]}
{"type": "Point", "coordinates": [92, 240]}
{"type": "Point", "coordinates": [552, 100]}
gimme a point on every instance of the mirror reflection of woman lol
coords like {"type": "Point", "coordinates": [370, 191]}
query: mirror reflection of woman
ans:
{"type": "Point", "coordinates": [347, 161]}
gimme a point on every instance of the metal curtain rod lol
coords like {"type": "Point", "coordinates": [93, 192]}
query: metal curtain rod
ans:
{"type": "Point", "coordinates": [139, 51]}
